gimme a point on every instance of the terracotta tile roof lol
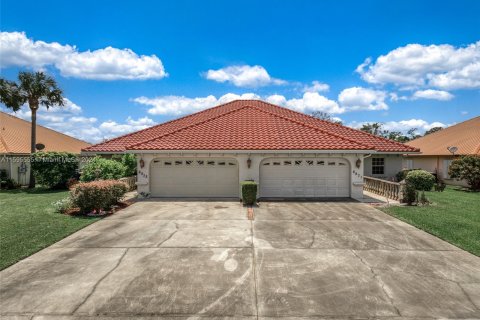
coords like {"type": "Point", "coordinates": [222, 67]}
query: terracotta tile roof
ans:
{"type": "Point", "coordinates": [465, 136]}
{"type": "Point", "coordinates": [15, 137]}
{"type": "Point", "coordinates": [249, 125]}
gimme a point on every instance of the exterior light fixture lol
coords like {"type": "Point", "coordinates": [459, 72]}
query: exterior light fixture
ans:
{"type": "Point", "coordinates": [142, 163]}
{"type": "Point", "coordinates": [358, 163]}
{"type": "Point", "coordinates": [249, 163]}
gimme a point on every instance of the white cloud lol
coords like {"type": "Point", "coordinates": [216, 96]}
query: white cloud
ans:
{"type": "Point", "coordinates": [316, 86]}
{"type": "Point", "coordinates": [404, 125]}
{"type": "Point", "coordinates": [180, 105]}
{"type": "Point", "coordinates": [102, 64]}
{"type": "Point", "coordinates": [358, 98]}
{"type": "Point", "coordinates": [433, 94]}
{"type": "Point", "coordinates": [310, 102]}
{"type": "Point", "coordinates": [414, 65]}
{"type": "Point", "coordinates": [244, 76]}
{"type": "Point", "coordinates": [69, 120]}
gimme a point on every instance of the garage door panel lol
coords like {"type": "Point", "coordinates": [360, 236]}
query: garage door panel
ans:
{"type": "Point", "coordinates": [304, 178]}
{"type": "Point", "coordinates": [198, 177]}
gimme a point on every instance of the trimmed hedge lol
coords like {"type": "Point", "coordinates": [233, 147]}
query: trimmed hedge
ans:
{"type": "Point", "coordinates": [54, 169]}
{"type": "Point", "coordinates": [97, 195]}
{"type": "Point", "coordinates": [102, 169]}
{"type": "Point", "coordinates": [249, 192]}
{"type": "Point", "coordinates": [422, 180]}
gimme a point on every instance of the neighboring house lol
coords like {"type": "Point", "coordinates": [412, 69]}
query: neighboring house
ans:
{"type": "Point", "coordinates": [15, 136]}
{"type": "Point", "coordinates": [435, 156]}
{"type": "Point", "coordinates": [290, 154]}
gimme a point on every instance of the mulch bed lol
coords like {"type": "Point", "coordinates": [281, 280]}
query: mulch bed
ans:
{"type": "Point", "coordinates": [119, 206]}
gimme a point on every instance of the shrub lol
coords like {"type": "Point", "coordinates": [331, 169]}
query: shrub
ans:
{"type": "Point", "coordinates": [62, 205]}
{"type": "Point", "coordinates": [423, 199]}
{"type": "Point", "coordinates": [102, 169]}
{"type": "Point", "coordinates": [440, 186]}
{"type": "Point", "coordinates": [129, 161]}
{"type": "Point", "coordinates": [97, 195]}
{"type": "Point", "coordinates": [249, 192]}
{"type": "Point", "coordinates": [421, 180]}
{"type": "Point", "coordinates": [409, 194]}
{"type": "Point", "coordinates": [53, 169]}
{"type": "Point", "coordinates": [71, 182]}
{"type": "Point", "coordinates": [401, 175]}
{"type": "Point", "coordinates": [467, 168]}
{"type": "Point", "coordinates": [10, 184]}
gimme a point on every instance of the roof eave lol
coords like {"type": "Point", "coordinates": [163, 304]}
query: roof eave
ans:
{"type": "Point", "coordinates": [336, 151]}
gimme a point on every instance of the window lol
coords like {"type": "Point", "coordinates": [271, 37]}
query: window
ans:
{"type": "Point", "coordinates": [331, 163]}
{"type": "Point", "coordinates": [310, 162]}
{"type": "Point", "coordinates": [210, 163]}
{"type": "Point", "coordinates": [378, 165]}
{"type": "Point", "coordinates": [342, 164]}
{"type": "Point", "coordinates": [298, 162]}
{"type": "Point", "coordinates": [188, 162]}
{"type": "Point", "coordinates": [178, 163]}
{"type": "Point", "coordinates": [446, 166]}
{"type": "Point", "coordinates": [287, 163]}
{"type": "Point", "coordinates": [320, 163]}
{"type": "Point", "coordinates": [221, 163]}
{"type": "Point", "coordinates": [167, 163]}
{"type": "Point", "coordinates": [276, 163]}
{"type": "Point", "coordinates": [231, 163]}
{"type": "Point", "coordinates": [409, 164]}
{"type": "Point", "coordinates": [266, 164]}
{"type": "Point", "coordinates": [200, 162]}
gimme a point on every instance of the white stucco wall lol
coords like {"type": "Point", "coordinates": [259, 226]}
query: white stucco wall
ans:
{"type": "Point", "coordinates": [252, 173]}
{"type": "Point", "coordinates": [12, 164]}
{"type": "Point", "coordinates": [393, 164]}
{"type": "Point", "coordinates": [434, 164]}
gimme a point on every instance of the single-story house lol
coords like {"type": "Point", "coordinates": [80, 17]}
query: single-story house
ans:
{"type": "Point", "coordinates": [15, 134]}
{"type": "Point", "coordinates": [290, 154]}
{"type": "Point", "coordinates": [440, 148]}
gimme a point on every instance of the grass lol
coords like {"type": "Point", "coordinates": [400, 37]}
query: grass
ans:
{"type": "Point", "coordinates": [454, 217]}
{"type": "Point", "coordinates": [28, 223]}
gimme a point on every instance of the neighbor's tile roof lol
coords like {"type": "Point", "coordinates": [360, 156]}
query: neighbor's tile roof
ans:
{"type": "Point", "coordinates": [249, 125]}
{"type": "Point", "coordinates": [465, 136]}
{"type": "Point", "coordinates": [15, 137]}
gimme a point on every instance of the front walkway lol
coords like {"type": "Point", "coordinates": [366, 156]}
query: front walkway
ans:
{"type": "Point", "coordinates": [191, 260]}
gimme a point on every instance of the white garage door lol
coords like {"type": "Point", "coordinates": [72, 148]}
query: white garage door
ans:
{"type": "Point", "coordinates": [196, 177]}
{"type": "Point", "coordinates": [304, 178]}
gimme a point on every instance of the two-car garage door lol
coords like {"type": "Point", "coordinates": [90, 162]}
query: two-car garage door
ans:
{"type": "Point", "coordinates": [196, 177]}
{"type": "Point", "coordinates": [279, 177]}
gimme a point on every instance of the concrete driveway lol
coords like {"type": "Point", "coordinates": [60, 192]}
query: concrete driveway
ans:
{"type": "Point", "coordinates": [190, 260]}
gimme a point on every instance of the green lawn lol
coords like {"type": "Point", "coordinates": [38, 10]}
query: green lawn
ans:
{"type": "Point", "coordinates": [454, 216]}
{"type": "Point", "coordinates": [28, 223]}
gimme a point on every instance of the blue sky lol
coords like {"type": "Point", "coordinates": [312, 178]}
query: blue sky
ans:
{"type": "Point", "coordinates": [184, 56]}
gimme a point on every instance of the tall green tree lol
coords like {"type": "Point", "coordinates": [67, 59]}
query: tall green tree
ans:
{"type": "Point", "coordinates": [432, 130]}
{"type": "Point", "coordinates": [36, 89]}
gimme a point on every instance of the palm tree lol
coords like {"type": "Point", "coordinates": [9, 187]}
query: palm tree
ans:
{"type": "Point", "coordinates": [35, 88]}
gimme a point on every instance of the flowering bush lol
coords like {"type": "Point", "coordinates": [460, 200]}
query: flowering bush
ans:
{"type": "Point", "coordinates": [97, 195]}
{"type": "Point", "coordinates": [468, 168]}
{"type": "Point", "coordinates": [62, 205]}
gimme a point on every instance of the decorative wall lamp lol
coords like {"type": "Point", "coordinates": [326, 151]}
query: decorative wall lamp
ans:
{"type": "Point", "coordinates": [142, 163]}
{"type": "Point", "coordinates": [358, 163]}
{"type": "Point", "coordinates": [249, 163]}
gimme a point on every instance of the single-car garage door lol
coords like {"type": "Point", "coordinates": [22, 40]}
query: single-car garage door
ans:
{"type": "Point", "coordinates": [195, 177]}
{"type": "Point", "coordinates": [304, 178]}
